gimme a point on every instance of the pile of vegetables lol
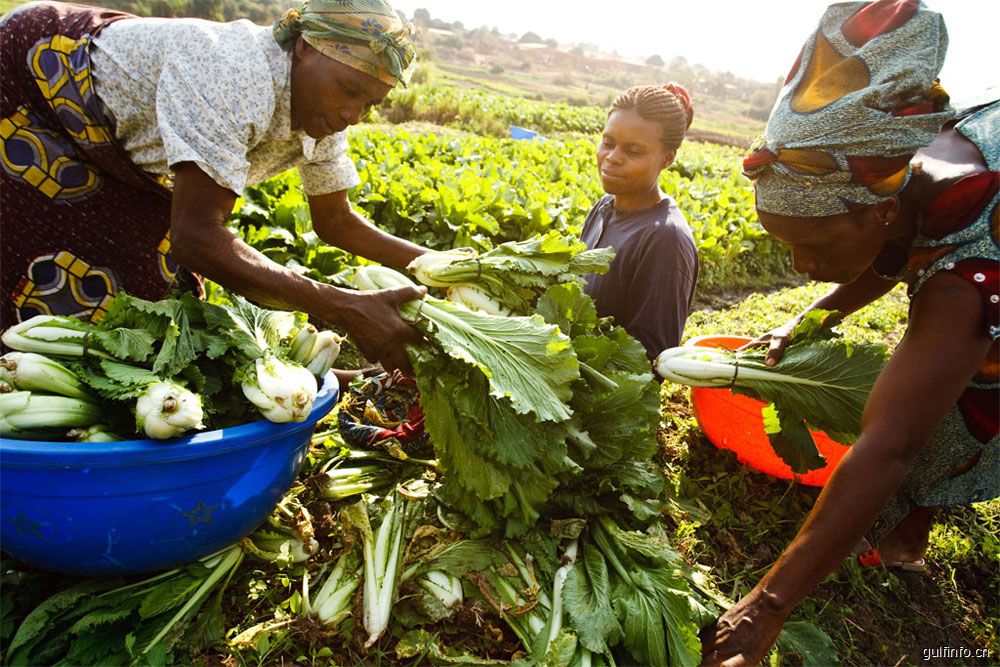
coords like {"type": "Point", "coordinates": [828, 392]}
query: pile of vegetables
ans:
{"type": "Point", "coordinates": [531, 522]}
{"type": "Point", "coordinates": [397, 574]}
{"type": "Point", "coordinates": [820, 382]}
{"type": "Point", "coordinates": [548, 397]}
{"type": "Point", "coordinates": [542, 418]}
{"type": "Point", "coordinates": [159, 370]}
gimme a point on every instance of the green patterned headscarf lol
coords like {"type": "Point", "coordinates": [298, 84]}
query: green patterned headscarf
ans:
{"type": "Point", "coordinates": [366, 35]}
{"type": "Point", "coordinates": [860, 100]}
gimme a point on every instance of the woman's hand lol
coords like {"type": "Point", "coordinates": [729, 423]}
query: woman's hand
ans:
{"type": "Point", "coordinates": [844, 299]}
{"type": "Point", "coordinates": [776, 339]}
{"type": "Point", "coordinates": [373, 322]}
{"type": "Point", "coordinates": [744, 634]}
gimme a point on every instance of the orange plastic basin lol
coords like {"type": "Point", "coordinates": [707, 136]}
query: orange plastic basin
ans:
{"type": "Point", "coordinates": [734, 422]}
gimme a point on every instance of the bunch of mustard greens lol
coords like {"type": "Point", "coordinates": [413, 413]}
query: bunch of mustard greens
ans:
{"type": "Point", "coordinates": [540, 413]}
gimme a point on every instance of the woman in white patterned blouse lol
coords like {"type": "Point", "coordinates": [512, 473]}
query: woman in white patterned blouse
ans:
{"type": "Point", "coordinates": [104, 109]}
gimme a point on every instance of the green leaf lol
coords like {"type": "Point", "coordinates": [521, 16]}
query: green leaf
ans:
{"type": "Point", "coordinates": [178, 349]}
{"type": "Point", "coordinates": [421, 643]}
{"type": "Point", "coordinates": [808, 641]}
{"type": "Point", "coordinates": [249, 328]}
{"type": "Point", "coordinates": [166, 320]}
{"type": "Point", "coordinates": [168, 595]}
{"type": "Point", "coordinates": [525, 360]}
{"type": "Point", "coordinates": [622, 422]}
{"type": "Point", "coordinates": [101, 617]}
{"type": "Point", "coordinates": [463, 556]}
{"type": "Point", "coordinates": [816, 325]}
{"type": "Point", "coordinates": [127, 344]}
{"type": "Point", "coordinates": [587, 599]}
{"type": "Point", "coordinates": [566, 306]}
{"type": "Point", "coordinates": [100, 645]}
{"type": "Point", "coordinates": [826, 383]}
{"type": "Point", "coordinates": [128, 376]}
{"type": "Point", "coordinates": [791, 440]}
{"type": "Point", "coordinates": [41, 618]}
{"type": "Point", "coordinates": [560, 651]}
{"type": "Point", "coordinates": [126, 311]}
{"type": "Point", "coordinates": [592, 261]}
{"type": "Point", "coordinates": [642, 628]}
{"type": "Point", "coordinates": [682, 627]}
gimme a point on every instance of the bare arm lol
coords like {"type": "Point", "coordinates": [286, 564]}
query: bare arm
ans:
{"type": "Point", "coordinates": [846, 298]}
{"type": "Point", "coordinates": [339, 225]}
{"type": "Point", "coordinates": [868, 287]}
{"type": "Point", "coordinates": [201, 242]}
{"type": "Point", "coordinates": [940, 353]}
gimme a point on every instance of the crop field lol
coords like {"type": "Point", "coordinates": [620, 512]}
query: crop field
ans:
{"type": "Point", "coordinates": [436, 168]}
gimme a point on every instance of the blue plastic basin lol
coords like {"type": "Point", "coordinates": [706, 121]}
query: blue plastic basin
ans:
{"type": "Point", "coordinates": [134, 506]}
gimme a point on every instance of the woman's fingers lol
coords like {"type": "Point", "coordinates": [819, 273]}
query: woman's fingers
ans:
{"type": "Point", "coordinates": [775, 349]}
{"type": "Point", "coordinates": [756, 342]}
{"type": "Point", "coordinates": [397, 360]}
{"type": "Point", "coordinates": [775, 342]}
{"type": "Point", "coordinates": [391, 349]}
{"type": "Point", "coordinates": [400, 295]}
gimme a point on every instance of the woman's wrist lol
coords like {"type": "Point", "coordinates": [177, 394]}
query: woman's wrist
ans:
{"type": "Point", "coordinates": [328, 303]}
{"type": "Point", "coordinates": [772, 602]}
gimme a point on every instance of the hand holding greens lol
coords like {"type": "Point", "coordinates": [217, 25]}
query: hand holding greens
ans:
{"type": "Point", "coordinates": [820, 381]}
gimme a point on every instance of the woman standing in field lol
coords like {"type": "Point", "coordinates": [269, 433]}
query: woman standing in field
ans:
{"type": "Point", "coordinates": [650, 284]}
{"type": "Point", "coordinates": [125, 142]}
{"type": "Point", "coordinates": [871, 179]}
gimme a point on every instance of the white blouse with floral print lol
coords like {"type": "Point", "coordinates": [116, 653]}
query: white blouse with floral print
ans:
{"type": "Point", "coordinates": [216, 94]}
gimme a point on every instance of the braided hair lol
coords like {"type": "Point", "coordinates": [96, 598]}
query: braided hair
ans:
{"type": "Point", "coordinates": [668, 105]}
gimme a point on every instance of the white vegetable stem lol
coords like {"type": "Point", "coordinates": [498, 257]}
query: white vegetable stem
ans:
{"type": "Point", "coordinates": [707, 367]}
{"type": "Point", "coordinates": [167, 410]}
{"type": "Point", "coordinates": [95, 433]}
{"type": "Point", "coordinates": [474, 298]}
{"type": "Point", "coordinates": [383, 558]}
{"type": "Point", "coordinates": [569, 559]}
{"type": "Point", "coordinates": [51, 334]}
{"type": "Point", "coordinates": [35, 372]}
{"type": "Point", "coordinates": [443, 586]}
{"type": "Point", "coordinates": [283, 391]}
{"type": "Point", "coordinates": [422, 267]}
{"type": "Point", "coordinates": [332, 602]}
{"type": "Point", "coordinates": [316, 350]}
{"type": "Point", "coordinates": [325, 352]}
{"type": "Point", "coordinates": [23, 411]}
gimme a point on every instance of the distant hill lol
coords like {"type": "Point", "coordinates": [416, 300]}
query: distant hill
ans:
{"type": "Point", "coordinates": [580, 74]}
{"type": "Point", "coordinates": [728, 109]}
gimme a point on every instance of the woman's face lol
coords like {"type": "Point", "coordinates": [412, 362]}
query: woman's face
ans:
{"type": "Point", "coordinates": [833, 248]}
{"type": "Point", "coordinates": [327, 95]}
{"type": "Point", "coordinates": [631, 156]}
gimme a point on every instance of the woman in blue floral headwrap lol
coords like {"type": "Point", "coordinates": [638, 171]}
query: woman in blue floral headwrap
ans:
{"type": "Point", "coordinates": [871, 179]}
{"type": "Point", "coordinates": [125, 142]}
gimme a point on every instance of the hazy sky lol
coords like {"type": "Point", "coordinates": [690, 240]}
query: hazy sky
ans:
{"type": "Point", "coordinates": [756, 39]}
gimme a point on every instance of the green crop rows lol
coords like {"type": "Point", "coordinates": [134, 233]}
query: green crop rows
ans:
{"type": "Point", "coordinates": [487, 113]}
{"type": "Point", "coordinates": [451, 190]}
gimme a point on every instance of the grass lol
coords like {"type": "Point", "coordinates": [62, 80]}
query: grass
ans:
{"type": "Point", "coordinates": [736, 522]}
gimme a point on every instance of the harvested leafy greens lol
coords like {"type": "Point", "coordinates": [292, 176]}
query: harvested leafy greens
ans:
{"type": "Point", "coordinates": [820, 380]}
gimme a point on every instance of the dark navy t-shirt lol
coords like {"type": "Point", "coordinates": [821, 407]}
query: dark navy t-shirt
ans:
{"type": "Point", "coordinates": [650, 285]}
